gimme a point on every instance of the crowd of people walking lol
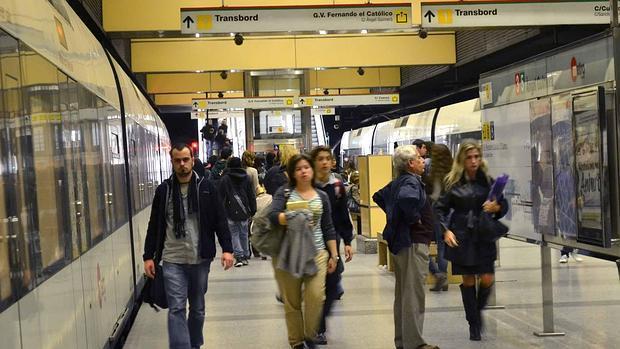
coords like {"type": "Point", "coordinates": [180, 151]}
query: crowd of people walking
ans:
{"type": "Point", "coordinates": [433, 198]}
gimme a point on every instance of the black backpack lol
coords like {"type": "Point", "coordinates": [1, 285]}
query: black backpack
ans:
{"type": "Point", "coordinates": [234, 205]}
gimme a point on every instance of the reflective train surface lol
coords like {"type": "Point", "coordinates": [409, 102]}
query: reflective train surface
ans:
{"type": "Point", "coordinates": [81, 153]}
{"type": "Point", "coordinates": [446, 125]}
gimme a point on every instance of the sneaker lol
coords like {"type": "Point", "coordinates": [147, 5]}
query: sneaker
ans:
{"type": "Point", "coordinates": [245, 262]}
{"type": "Point", "coordinates": [263, 258]}
{"type": "Point", "coordinates": [576, 257]}
{"type": "Point", "coordinates": [279, 298]}
{"type": "Point", "coordinates": [564, 258]}
{"type": "Point", "coordinates": [320, 339]}
{"type": "Point", "coordinates": [238, 263]}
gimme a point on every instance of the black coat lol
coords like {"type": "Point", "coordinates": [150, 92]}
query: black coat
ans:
{"type": "Point", "coordinates": [458, 210]}
{"type": "Point", "coordinates": [274, 179]}
{"type": "Point", "coordinates": [212, 220]}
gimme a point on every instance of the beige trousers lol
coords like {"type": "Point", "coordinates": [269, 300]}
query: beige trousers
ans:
{"type": "Point", "coordinates": [303, 325]}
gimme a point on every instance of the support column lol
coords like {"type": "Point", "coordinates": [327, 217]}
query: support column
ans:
{"type": "Point", "coordinates": [547, 294]}
{"type": "Point", "coordinates": [248, 91]}
{"type": "Point", "coordinates": [306, 114]}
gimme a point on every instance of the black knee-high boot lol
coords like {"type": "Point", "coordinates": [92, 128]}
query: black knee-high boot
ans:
{"type": "Point", "coordinates": [483, 297]}
{"type": "Point", "coordinates": [472, 313]}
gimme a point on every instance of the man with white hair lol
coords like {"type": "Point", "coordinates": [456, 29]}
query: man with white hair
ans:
{"type": "Point", "coordinates": [408, 232]}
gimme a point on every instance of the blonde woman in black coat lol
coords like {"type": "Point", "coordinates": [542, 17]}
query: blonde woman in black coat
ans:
{"type": "Point", "coordinates": [467, 188]}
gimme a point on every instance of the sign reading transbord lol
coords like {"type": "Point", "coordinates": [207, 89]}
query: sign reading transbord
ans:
{"type": "Point", "coordinates": [294, 19]}
{"type": "Point", "coordinates": [522, 13]}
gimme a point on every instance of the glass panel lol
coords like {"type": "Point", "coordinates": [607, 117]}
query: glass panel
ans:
{"type": "Point", "coordinates": [117, 196]}
{"type": "Point", "coordinates": [564, 167]}
{"type": "Point", "coordinates": [9, 105]}
{"type": "Point", "coordinates": [542, 167]}
{"type": "Point", "coordinates": [588, 168]}
{"type": "Point", "coordinates": [92, 164]}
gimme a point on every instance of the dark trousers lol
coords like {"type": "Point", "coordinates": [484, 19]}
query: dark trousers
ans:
{"type": "Point", "coordinates": [331, 293]}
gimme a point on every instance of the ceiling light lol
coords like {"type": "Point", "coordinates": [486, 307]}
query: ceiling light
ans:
{"type": "Point", "coordinates": [198, 91]}
{"type": "Point", "coordinates": [233, 71]}
{"type": "Point", "coordinates": [232, 35]}
{"type": "Point", "coordinates": [364, 31]}
{"type": "Point", "coordinates": [198, 71]}
{"type": "Point", "coordinates": [197, 35]}
{"type": "Point", "coordinates": [323, 32]}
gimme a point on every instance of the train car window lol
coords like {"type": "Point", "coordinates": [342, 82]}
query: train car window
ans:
{"type": "Point", "coordinates": [46, 189]}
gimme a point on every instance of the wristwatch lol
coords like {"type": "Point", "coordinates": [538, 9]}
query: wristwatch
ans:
{"type": "Point", "coordinates": [335, 257]}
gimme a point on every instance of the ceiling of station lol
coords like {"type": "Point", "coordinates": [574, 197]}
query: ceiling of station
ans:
{"type": "Point", "coordinates": [178, 67]}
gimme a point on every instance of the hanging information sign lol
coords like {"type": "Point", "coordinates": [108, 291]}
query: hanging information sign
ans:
{"type": "Point", "coordinates": [286, 19]}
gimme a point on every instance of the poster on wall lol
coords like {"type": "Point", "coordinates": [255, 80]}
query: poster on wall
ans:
{"type": "Point", "coordinates": [541, 158]}
{"type": "Point", "coordinates": [564, 166]}
{"type": "Point", "coordinates": [507, 148]}
{"type": "Point", "coordinates": [588, 168]}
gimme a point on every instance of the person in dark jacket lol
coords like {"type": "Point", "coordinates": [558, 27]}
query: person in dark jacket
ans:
{"type": "Point", "coordinates": [276, 175]}
{"type": "Point", "coordinates": [199, 167]}
{"type": "Point", "coordinates": [326, 181]}
{"type": "Point", "coordinates": [302, 326]}
{"type": "Point", "coordinates": [408, 232]}
{"type": "Point", "coordinates": [239, 198]}
{"type": "Point", "coordinates": [441, 165]}
{"type": "Point", "coordinates": [218, 169]}
{"type": "Point", "coordinates": [467, 188]}
{"type": "Point", "coordinates": [185, 216]}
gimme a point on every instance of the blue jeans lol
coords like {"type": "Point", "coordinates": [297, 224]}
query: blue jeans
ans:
{"type": "Point", "coordinates": [441, 265]}
{"type": "Point", "coordinates": [239, 236]}
{"type": "Point", "coordinates": [185, 282]}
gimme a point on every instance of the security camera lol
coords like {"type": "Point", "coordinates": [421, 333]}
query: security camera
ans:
{"type": "Point", "coordinates": [423, 33]}
{"type": "Point", "coordinates": [224, 75]}
{"type": "Point", "coordinates": [360, 71]}
{"type": "Point", "coordinates": [220, 95]}
{"type": "Point", "coordinates": [326, 92]}
{"type": "Point", "coordinates": [238, 39]}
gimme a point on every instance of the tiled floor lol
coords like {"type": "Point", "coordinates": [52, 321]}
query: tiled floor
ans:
{"type": "Point", "coordinates": [243, 313]}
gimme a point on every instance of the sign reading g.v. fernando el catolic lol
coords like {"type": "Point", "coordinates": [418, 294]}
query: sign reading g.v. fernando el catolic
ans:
{"type": "Point", "coordinates": [295, 19]}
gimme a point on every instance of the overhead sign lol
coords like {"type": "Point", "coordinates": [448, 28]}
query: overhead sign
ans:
{"type": "Point", "coordinates": [323, 111]}
{"type": "Point", "coordinates": [285, 19]}
{"type": "Point", "coordinates": [224, 114]}
{"type": "Point", "coordinates": [199, 105]}
{"type": "Point", "coordinates": [333, 101]}
{"type": "Point", "coordinates": [522, 13]}
{"type": "Point", "coordinates": [252, 103]}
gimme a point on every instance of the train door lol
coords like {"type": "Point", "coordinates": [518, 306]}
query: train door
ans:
{"type": "Point", "coordinates": [13, 279]}
{"type": "Point", "coordinates": [72, 140]}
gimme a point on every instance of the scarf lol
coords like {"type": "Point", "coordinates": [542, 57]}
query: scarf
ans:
{"type": "Point", "coordinates": [178, 211]}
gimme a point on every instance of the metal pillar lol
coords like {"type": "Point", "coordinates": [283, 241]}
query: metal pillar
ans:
{"type": "Point", "coordinates": [547, 294]}
{"type": "Point", "coordinates": [248, 91]}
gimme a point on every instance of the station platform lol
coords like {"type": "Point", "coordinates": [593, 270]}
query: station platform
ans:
{"type": "Point", "coordinates": [242, 311]}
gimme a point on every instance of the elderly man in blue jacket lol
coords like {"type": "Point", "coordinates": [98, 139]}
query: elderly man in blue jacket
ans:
{"type": "Point", "coordinates": [408, 232]}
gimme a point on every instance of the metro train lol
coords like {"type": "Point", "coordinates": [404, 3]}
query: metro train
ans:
{"type": "Point", "coordinates": [448, 125]}
{"type": "Point", "coordinates": [81, 153]}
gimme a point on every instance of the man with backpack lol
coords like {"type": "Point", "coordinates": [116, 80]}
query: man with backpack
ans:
{"type": "Point", "coordinates": [238, 195]}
